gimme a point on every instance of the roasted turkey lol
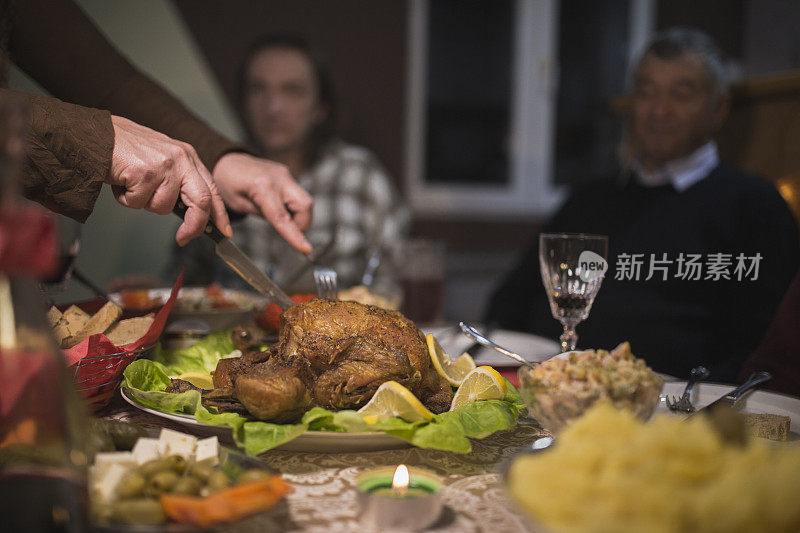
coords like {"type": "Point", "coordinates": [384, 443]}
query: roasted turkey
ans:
{"type": "Point", "coordinates": [330, 353]}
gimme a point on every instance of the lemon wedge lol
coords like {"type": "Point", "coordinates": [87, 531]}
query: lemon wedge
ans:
{"type": "Point", "coordinates": [201, 380]}
{"type": "Point", "coordinates": [452, 371]}
{"type": "Point", "coordinates": [392, 399]}
{"type": "Point", "coordinates": [483, 383]}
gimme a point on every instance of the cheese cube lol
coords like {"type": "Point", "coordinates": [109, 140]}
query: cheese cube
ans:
{"type": "Point", "coordinates": [106, 484]}
{"type": "Point", "coordinates": [178, 443]}
{"type": "Point", "coordinates": [103, 460]}
{"type": "Point", "coordinates": [146, 450]}
{"type": "Point", "coordinates": [208, 451]}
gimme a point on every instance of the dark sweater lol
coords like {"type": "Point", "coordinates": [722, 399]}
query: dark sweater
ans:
{"type": "Point", "coordinates": [674, 324]}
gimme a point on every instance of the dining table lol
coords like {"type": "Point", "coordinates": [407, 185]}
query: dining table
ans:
{"type": "Point", "coordinates": [324, 495]}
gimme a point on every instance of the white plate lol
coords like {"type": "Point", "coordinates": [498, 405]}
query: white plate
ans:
{"type": "Point", "coordinates": [756, 402]}
{"type": "Point", "coordinates": [310, 441]}
{"type": "Point", "coordinates": [531, 347]}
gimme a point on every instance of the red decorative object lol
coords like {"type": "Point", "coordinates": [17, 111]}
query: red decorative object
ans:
{"type": "Point", "coordinates": [96, 364]}
{"type": "Point", "coordinates": [28, 243]}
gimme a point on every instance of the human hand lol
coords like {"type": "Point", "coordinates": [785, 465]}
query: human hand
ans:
{"type": "Point", "coordinates": [150, 170]}
{"type": "Point", "coordinates": [260, 187]}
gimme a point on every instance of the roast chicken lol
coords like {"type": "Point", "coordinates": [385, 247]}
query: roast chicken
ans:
{"type": "Point", "coordinates": [330, 353]}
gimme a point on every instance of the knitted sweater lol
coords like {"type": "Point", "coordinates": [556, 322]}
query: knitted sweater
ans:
{"type": "Point", "coordinates": [678, 322]}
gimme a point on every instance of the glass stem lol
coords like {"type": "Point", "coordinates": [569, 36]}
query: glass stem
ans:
{"type": "Point", "coordinates": [569, 338]}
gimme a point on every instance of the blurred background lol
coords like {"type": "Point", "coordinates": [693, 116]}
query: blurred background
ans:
{"type": "Point", "coordinates": [482, 111]}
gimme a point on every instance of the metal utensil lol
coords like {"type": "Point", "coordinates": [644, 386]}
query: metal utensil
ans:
{"type": "Point", "coordinates": [478, 337]}
{"type": "Point", "coordinates": [327, 283]}
{"type": "Point", "coordinates": [373, 262]}
{"type": "Point", "coordinates": [240, 263]}
{"type": "Point", "coordinates": [311, 261]}
{"type": "Point", "coordinates": [475, 346]}
{"type": "Point", "coordinates": [85, 281]}
{"type": "Point", "coordinates": [683, 403]}
{"type": "Point", "coordinates": [736, 394]}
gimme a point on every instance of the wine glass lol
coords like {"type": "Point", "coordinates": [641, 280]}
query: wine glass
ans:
{"type": "Point", "coordinates": [572, 266]}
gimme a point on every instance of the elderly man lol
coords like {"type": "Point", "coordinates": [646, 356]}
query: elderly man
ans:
{"type": "Point", "coordinates": [699, 252]}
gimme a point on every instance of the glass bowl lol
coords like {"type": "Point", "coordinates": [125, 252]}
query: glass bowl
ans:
{"type": "Point", "coordinates": [563, 388]}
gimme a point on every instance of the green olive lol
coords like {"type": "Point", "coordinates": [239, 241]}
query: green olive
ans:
{"type": "Point", "coordinates": [161, 482]}
{"type": "Point", "coordinates": [254, 474]}
{"type": "Point", "coordinates": [131, 486]}
{"type": "Point", "coordinates": [177, 463]}
{"type": "Point", "coordinates": [218, 481]}
{"type": "Point", "coordinates": [139, 511]}
{"type": "Point", "coordinates": [154, 466]}
{"type": "Point", "coordinates": [201, 471]}
{"type": "Point", "coordinates": [187, 485]}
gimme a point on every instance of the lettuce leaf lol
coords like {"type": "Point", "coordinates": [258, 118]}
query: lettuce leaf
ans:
{"type": "Point", "coordinates": [145, 375]}
{"type": "Point", "coordinates": [201, 357]}
{"type": "Point", "coordinates": [450, 431]}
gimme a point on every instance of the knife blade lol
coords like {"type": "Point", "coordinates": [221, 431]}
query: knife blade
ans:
{"type": "Point", "coordinates": [733, 397]}
{"type": "Point", "coordinates": [233, 256]}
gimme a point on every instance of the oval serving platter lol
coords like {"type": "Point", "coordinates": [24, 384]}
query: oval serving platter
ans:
{"type": "Point", "coordinates": [310, 441]}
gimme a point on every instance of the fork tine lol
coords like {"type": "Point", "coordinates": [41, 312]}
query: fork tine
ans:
{"type": "Point", "coordinates": [327, 281]}
{"type": "Point", "coordinates": [332, 284]}
{"type": "Point", "coordinates": [672, 403]}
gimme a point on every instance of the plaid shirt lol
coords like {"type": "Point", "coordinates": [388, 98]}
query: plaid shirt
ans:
{"type": "Point", "coordinates": [355, 204]}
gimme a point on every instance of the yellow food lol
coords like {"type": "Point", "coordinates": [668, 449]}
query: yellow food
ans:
{"type": "Point", "coordinates": [483, 383]}
{"type": "Point", "coordinates": [392, 399]}
{"type": "Point", "coordinates": [609, 472]}
{"type": "Point", "coordinates": [452, 371]}
{"type": "Point", "coordinates": [201, 380]}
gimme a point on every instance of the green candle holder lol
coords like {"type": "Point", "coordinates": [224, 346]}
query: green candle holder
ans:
{"type": "Point", "coordinates": [384, 507]}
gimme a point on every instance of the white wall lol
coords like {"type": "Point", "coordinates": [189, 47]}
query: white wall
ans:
{"type": "Point", "coordinates": [151, 34]}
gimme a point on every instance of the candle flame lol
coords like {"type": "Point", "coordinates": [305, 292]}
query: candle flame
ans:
{"type": "Point", "coordinates": [400, 480]}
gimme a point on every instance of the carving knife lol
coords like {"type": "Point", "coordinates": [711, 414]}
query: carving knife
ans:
{"type": "Point", "coordinates": [240, 263]}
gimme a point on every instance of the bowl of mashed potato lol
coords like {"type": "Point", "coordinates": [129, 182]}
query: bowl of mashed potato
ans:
{"type": "Point", "coordinates": [611, 472]}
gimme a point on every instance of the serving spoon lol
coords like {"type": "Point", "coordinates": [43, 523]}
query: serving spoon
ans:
{"type": "Point", "coordinates": [478, 337]}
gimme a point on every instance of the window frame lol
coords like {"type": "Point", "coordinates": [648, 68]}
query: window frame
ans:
{"type": "Point", "coordinates": [529, 191]}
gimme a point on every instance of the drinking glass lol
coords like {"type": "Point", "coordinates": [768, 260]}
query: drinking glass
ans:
{"type": "Point", "coordinates": [423, 280]}
{"type": "Point", "coordinates": [572, 266]}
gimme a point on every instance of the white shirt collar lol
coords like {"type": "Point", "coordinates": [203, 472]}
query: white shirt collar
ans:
{"type": "Point", "coordinates": [681, 173]}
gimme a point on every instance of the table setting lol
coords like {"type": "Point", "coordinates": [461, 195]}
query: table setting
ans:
{"type": "Point", "coordinates": [457, 435]}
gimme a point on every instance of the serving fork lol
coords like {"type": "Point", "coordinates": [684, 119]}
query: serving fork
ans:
{"type": "Point", "coordinates": [327, 283]}
{"type": "Point", "coordinates": [683, 404]}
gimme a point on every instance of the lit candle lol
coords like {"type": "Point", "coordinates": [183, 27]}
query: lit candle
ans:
{"type": "Point", "coordinates": [400, 481]}
{"type": "Point", "coordinates": [402, 497]}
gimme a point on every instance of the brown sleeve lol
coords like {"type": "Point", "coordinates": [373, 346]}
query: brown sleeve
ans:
{"type": "Point", "coordinates": [56, 44]}
{"type": "Point", "coordinates": [69, 154]}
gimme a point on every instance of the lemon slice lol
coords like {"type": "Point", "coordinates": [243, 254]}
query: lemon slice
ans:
{"type": "Point", "coordinates": [452, 371]}
{"type": "Point", "coordinates": [392, 399]}
{"type": "Point", "coordinates": [201, 380]}
{"type": "Point", "coordinates": [483, 383]}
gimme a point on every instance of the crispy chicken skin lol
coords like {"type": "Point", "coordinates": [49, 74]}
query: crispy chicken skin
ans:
{"type": "Point", "coordinates": [334, 354]}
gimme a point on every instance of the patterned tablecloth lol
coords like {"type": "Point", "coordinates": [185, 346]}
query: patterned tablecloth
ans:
{"type": "Point", "coordinates": [324, 496]}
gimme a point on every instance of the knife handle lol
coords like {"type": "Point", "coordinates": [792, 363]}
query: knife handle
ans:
{"type": "Point", "coordinates": [755, 378]}
{"type": "Point", "coordinates": [211, 230]}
